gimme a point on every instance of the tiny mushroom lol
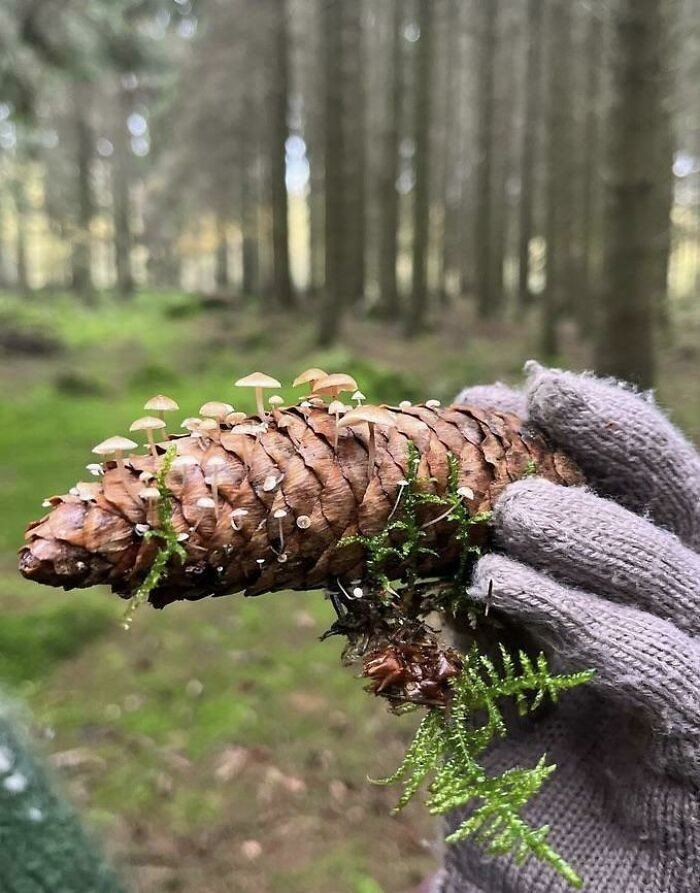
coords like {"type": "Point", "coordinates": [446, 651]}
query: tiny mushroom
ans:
{"type": "Point", "coordinates": [206, 428]}
{"type": "Point", "coordinates": [235, 418]}
{"type": "Point", "coordinates": [95, 469]}
{"type": "Point", "coordinates": [149, 424]}
{"type": "Point", "coordinates": [335, 384]}
{"type": "Point", "coordinates": [405, 404]}
{"type": "Point", "coordinates": [235, 515]}
{"type": "Point", "coordinates": [115, 446]}
{"type": "Point", "coordinates": [160, 404]}
{"type": "Point", "coordinates": [214, 466]}
{"type": "Point", "coordinates": [310, 377]}
{"type": "Point", "coordinates": [214, 409]}
{"type": "Point", "coordinates": [358, 397]}
{"type": "Point", "coordinates": [260, 382]}
{"type": "Point", "coordinates": [372, 416]}
{"type": "Point", "coordinates": [303, 522]}
{"type": "Point", "coordinates": [336, 408]}
{"type": "Point", "coordinates": [432, 404]}
{"type": "Point", "coordinates": [276, 401]}
{"type": "Point", "coordinates": [280, 515]}
{"type": "Point", "coordinates": [151, 496]}
{"type": "Point", "coordinates": [191, 423]}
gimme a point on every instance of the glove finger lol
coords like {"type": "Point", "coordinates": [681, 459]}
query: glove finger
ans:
{"type": "Point", "coordinates": [641, 661]}
{"type": "Point", "coordinates": [596, 545]}
{"type": "Point", "coordinates": [626, 447]}
{"type": "Point", "coordinates": [494, 396]}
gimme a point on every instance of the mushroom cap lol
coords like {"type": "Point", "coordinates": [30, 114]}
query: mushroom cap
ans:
{"type": "Point", "coordinates": [161, 403]}
{"type": "Point", "coordinates": [114, 445]}
{"type": "Point", "coordinates": [372, 414]}
{"type": "Point", "coordinates": [191, 422]}
{"type": "Point", "coordinates": [337, 381]}
{"type": "Point", "coordinates": [276, 400]}
{"type": "Point", "coordinates": [206, 502]}
{"type": "Point", "coordinates": [258, 380]}
{"type": "Point", "coordinates": [358, 395]}
{"type": "Point", "coordinates": [308, 376]}
{"type": "Point", "coordinates": [336, 407]}
{"type": "Point", "coordinates": [149, 493]}
{"type": "Point", "coordinates": [280, 513]}
{"type": "Point", "coordinates": [146, 423]}
{"type": "Point", "coordinates": [404, 404]}
{"type": "Point", "coordinates": [208, 425]}
{"type": "Point", "coordinates": [235, 418]}
{"type": "Point", "coordinates": [215, 409]}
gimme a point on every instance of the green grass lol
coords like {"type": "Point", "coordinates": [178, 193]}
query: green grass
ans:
{"type": "Point", "coordinates": [158, 710]}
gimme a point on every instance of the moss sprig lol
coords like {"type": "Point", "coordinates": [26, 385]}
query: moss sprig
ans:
{"type": "Point", "coordinates": [448, 743]}
{"type": "Point", "coordinates": [166, 533]}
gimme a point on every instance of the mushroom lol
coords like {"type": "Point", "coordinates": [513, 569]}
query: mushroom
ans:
{"type": "Point", "coordinates": [95, 469]}
{"type": "Point", "coordinates": [235, 418]}
{"type": "Point", "coordinates": [403, 483]}
{"type": "Point", "coordinates": [204, 502]}
{"type": "Point", "coordinates": [237, 513]}
{"type": "Point", "coordinates": [214, 409]}
{"type": "Point", "coordinates": [432, 404]}
{"type": "Point", "coordinates": [405, 404]}
{"type": "Point", "coordinates": [280, 515]}
{"type": "Point", "coordinates": [358, 397]}
{"type": "Point", "coordinates": [372, 415]}
{"type": "Point", "coordinates": [215, 464]}
{"type": "Point", "coordinates": [151, 496]}
{"type": "Point", "coordinates": [259, 381]}
{"type": "Point", "coordinates": [335, 384]}
{"type": "Point", "coordinates": [182, 464]}
{"type": "Point", "coordinates": [160, 404]}
{"type": "Point", "coordinates": [337, 409]}
{"type": "Point", "coordinates": [303, 522]}
{"type": "Point", "coordinates": [191, 423]}
{"type": "Point", "coordinates": [206, 428]}
{"type": "Point", "coordinates": [275, 401]}
{"type": "Point", "coordinates": [149, 424]}
{"type": "Point", "coordinates": [310, 377]}
{"type": "Point", "coordinates": [115, 446]}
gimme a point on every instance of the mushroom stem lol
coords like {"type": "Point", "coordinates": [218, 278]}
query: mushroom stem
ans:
{"type": "Point", "coordinates": [372, 449]}
{"type": "Point", "coordinates": [259, 404]}
{"type": "Point", "coordinates": [151, 442]}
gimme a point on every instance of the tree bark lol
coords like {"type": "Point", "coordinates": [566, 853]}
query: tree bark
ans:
{"type": "Point", "coordinates": [121, 199]}
{"type": "Point", "coordinates": [335, 288]}
{"type": "Point", "coordinates": [82, 133]}
{"type": "Point", "coordinates": [528, 157]}
{"type": "Point", "coordinates": [389, 169]}
{"type": "Point", "coordinates": [487, 290]}
{"type": "Point", "coordinates": [279, 74]}
{"type": "Point", "coordinates": [559, 218]}
{"type": "Point", "coordinates": [415, 322]}
{"type": "Point", "coordinates": [638, 192]}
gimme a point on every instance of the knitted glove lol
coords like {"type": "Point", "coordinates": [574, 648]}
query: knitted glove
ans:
{"type": "Point", "coordinates": [42, 846]}
{"type": "Point", "coordinates": [607, 578]}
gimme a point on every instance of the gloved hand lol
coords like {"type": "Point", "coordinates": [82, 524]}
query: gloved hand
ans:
{"type": "Point", "coordinates": [605, 578]}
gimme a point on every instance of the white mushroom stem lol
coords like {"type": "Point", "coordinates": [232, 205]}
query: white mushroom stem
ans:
{"type": "Point", "coordinates": [439, 518]}
{"type": "Point", "coordinates": [280, 514]}
{"type": "Point", "coordinates": [402, 485]}
{"type": "Point", "coordinates": [259, 404]}
{"type": "Point", "coordinates": [152, 442]}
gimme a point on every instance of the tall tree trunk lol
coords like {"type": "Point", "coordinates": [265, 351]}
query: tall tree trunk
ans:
{"type": "Point", "coordinates": [591, 187]}
{"type": "Point", "coordinates": [335, 288]}
{"type": "Point", "coordinates": [421, 197]}
{"type": "Point", "coordinates": [528, 157]}
{"type": "Point", "coordinates": [121, 181]}
{"type": "Point", "coordinates": [222, 276]}
{"type": "Point", "coordinates": [638, 191]}
{"type": "Point", "coordinates": [389, 168]}
{"type": "Point", "coordinates": [279, 74]}
{"type": "Point", "coordinates": [487, 291]}
{"type": "Point", "coordinates": [450, 131]}
{"type": "Point", "coordinates": [21, 265]}
{"type": "Point", "coordinates": [248, 190]}
{"type": "Point", "coordinates": [354, 124]}
{"type": "Point", "coordinates": [559, 222]}
{"type": "Point", "coordinates": [4, 258]}
{"type": "Point", "coordinates": [81, 260]}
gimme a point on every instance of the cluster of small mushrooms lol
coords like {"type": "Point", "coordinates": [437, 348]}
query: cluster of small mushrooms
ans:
{"type": "Point", "coordinates": [214, 415]}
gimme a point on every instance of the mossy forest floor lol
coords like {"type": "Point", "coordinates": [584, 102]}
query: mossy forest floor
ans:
{"type": "Point", "coordinates": [217, 747]}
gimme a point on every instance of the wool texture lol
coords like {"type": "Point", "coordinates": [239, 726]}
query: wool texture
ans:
{"type": "Point", "coordinates": [610, 580]}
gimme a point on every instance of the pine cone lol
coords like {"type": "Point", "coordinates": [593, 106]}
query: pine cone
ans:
{"type": "Point", "coordinates": [267, 510]}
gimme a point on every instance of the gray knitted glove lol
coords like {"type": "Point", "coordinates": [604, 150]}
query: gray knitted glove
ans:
{"type": "Point", "coordinates": [612, 585]}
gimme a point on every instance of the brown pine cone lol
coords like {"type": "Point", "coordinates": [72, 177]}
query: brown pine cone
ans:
{"type": "Point", "coordinates": [266, 511]}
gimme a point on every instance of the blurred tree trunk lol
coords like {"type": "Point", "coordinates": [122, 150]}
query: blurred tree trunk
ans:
{"type": "Point", "coordinates": [421, 196]}
{"type": "Point", "coordinates": [638, 191]}
{"type": "Point", "coordinates": [20, 201]}
{"type": "Point", "coordinates": [81, 260]}
{"type": "Point", "coordinates": [591, 187]}
{"type": "Point", "coordinates": [121, 181]}
{"type": "Point", "coordinates": [389, 168]}
{"type": "Point", "coordinates": [354, 124]}
{"type": "Point", "coordinates": [222, 275]}
{"type": "Point", "coordinates": [559, 218]}
{"type": "Point", "coordinates": [279, 75]}
{"type": "Point", "coordinates": [335, 288]}
{"type": "Point", "coordinates": [450, 119]}
{"type": "Point", "coordinates": [248, 175]}
{"type": "Point", "coordinates": [487, 290]}
{"type": "Point", "coordinates": [4, 259]}
{"type": "Point", "coordinates": [528, 158]}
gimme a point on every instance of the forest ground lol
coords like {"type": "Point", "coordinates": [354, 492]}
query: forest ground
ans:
{"type": "Point", "coordinates": [219, 747]}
